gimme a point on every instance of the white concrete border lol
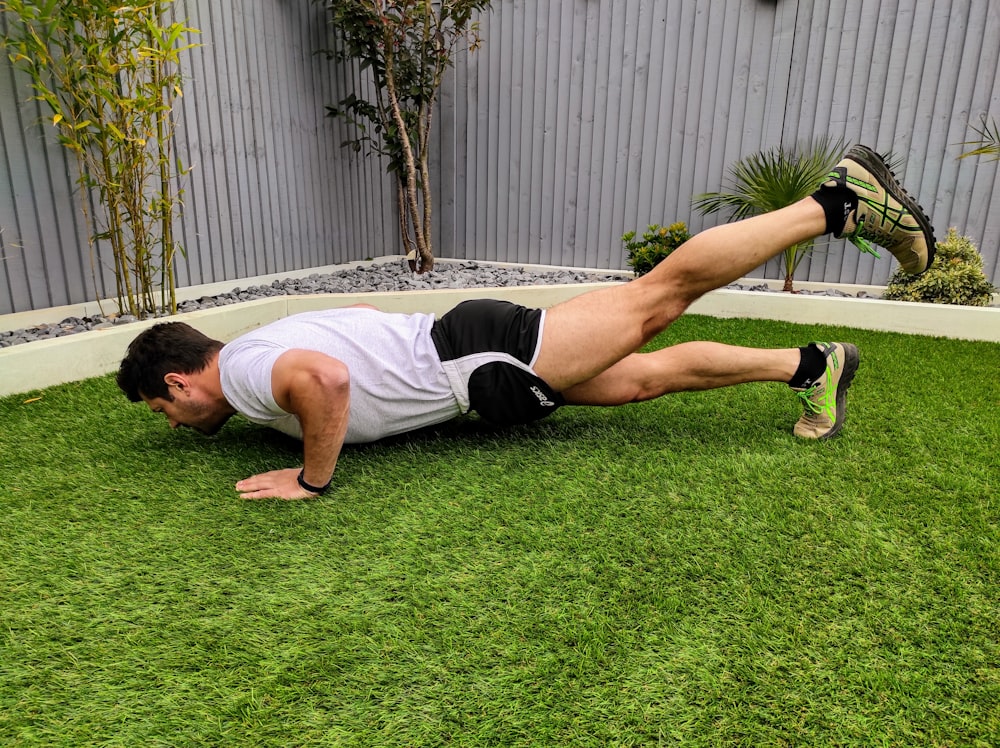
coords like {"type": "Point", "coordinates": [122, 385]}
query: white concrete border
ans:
{"type": "Point", "coordinates": [44, 363]}
{"type": "Point", "coordinates": [939, 320]}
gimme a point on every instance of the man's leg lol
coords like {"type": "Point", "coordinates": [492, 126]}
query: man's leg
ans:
{"type": "Point", "coordinates": [819, 373]}
{"type": "Point", "coordinates": [698, 365]}
{"type": "Point", "coordinates": [589, 333]}
{"type": "Point", "coordinates": [860, 200]}
{"type": "Point", "coordinates": [588, 343]}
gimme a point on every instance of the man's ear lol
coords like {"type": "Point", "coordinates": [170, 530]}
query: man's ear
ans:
{"type": "Point", "coordinates": [179, 381]}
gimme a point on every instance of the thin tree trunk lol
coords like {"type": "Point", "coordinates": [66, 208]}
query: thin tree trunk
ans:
{"type": "Point", "coordinates": [404, 224]}
{"type": "Point", "coordinates": [412, 199]}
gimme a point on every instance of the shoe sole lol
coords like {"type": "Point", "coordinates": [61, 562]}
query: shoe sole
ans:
{"type": "Point", "coordinates": [851, 361]}
{"type": "Point", "coordinates": [877, 167]}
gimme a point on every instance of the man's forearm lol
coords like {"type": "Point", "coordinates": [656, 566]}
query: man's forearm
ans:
{"type": "Point", "coordinates": [322, 440]}
{"type": "Point", "coordinates": [322, 405]}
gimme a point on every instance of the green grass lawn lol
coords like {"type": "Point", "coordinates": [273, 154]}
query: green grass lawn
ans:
{"type": "Point", "coordinates": [676, 572]}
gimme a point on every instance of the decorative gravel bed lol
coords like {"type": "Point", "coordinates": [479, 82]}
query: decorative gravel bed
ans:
{"type": "Point", "coordinates": [392, 277]}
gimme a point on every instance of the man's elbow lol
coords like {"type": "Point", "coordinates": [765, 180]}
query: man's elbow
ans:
{"type": "Point", "coordinates": [332, 378]}
{"type": "Point", "coordinates": [319, 385]}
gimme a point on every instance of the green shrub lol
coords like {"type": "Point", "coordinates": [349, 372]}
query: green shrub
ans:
{"type": "Point", "coordinates": [655, 245]}
{"type": "Point", "coordinates": [955, 277]}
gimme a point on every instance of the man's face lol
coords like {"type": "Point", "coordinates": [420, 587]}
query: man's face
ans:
{"type": "Point", "coordinates": [189, 410]}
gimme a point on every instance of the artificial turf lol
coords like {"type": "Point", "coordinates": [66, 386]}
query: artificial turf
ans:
{"type": "Point", "coordinates": [676, 572]}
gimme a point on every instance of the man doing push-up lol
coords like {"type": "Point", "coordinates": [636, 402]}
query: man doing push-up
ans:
{"type": "Point", "coordinates": [357, 374]}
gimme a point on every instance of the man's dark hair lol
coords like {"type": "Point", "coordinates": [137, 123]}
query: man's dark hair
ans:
{"type": "Point", "coordinates": [164, 348]}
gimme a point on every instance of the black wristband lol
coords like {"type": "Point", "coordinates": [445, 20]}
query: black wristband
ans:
{"type": "Point", "coordinates": [318, 490]}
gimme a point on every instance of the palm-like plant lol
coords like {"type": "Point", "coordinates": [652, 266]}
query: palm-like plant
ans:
{"type": "Point", "coordinates": [988, 142]}
{"type": "Point", "coordinates": [773, 179]}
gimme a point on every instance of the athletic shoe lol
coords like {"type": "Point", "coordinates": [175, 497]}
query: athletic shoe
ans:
{"type": "Point", "coordinates": [886, 215]}
{"type": "Point", "coordinates": [826, 400]}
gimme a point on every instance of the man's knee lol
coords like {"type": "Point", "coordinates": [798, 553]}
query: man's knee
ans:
{"type": "Point", "coordinates": [662, 313]}
{"type": "Point", "coordinates": [679, 284]}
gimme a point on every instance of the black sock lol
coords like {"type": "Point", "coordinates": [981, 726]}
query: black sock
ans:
{"type": "Point", "coordinates": [838, 202]}
{"type": "Point", "coordinates": [812, 365]}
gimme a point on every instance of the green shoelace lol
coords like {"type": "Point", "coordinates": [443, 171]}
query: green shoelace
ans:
{"type": "Point", "coordinates": [857, 238]}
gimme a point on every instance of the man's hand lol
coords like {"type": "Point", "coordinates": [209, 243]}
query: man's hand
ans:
{"type": "Point", "coordinates": [278, 484]}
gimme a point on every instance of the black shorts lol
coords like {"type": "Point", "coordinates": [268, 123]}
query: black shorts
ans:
{"type": "Point", "coordinates": [488, 349]}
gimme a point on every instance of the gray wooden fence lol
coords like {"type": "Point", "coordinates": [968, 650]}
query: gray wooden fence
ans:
{"type": "Point", "coordinates": [576, 121]}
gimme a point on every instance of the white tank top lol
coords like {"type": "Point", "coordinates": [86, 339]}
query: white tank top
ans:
{"type": "Point", "coordinates": [397, 381]}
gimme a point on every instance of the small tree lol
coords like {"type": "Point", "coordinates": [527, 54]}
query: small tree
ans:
{"type": "Point", "coordinates": [109, 73]}
{"type": "Point", "coordinates": [408, 45]}
{"type": "Point", "coordinates": [773, 179]}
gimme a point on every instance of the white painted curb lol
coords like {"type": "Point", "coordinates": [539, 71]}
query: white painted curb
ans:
{"type": "Point", "coordinates": [938, 320]}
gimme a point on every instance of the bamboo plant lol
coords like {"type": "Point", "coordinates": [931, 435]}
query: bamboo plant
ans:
{"type": "Point", "coordinates": [109, 74]}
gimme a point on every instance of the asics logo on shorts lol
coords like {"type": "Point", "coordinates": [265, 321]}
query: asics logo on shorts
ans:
{"type": "Point", "coordinates": [543, 399]}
